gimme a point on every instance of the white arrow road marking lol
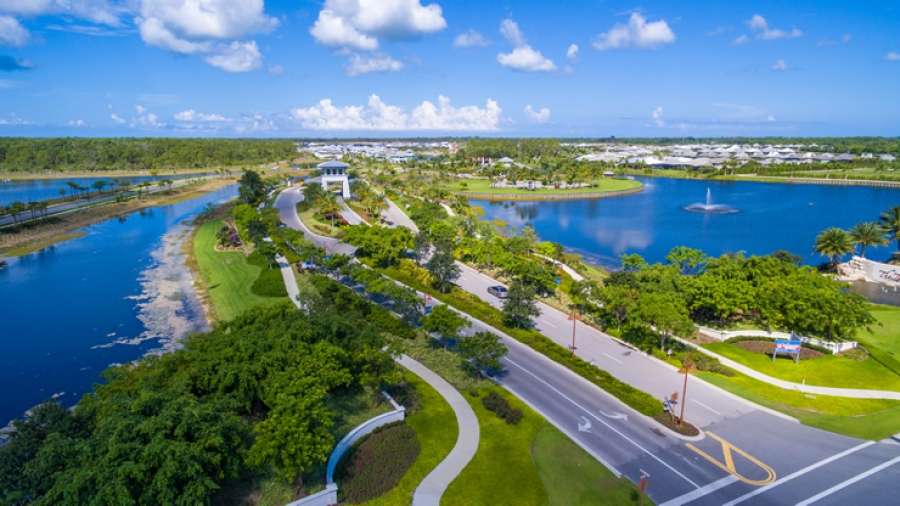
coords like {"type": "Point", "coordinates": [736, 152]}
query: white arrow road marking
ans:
{"type": "Point", "coordinates": [584, 425]}
{"type": "Point", "coordinates": [614, 416]}
{"type": "Point", "coordinates": [608, 426]}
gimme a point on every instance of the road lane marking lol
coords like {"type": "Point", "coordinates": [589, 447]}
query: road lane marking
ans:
{"type": "Point", "coordinates": [728, 451]}
{"type": "Point", "coordinates": [707, 407]}
{"type": "Point", "coordinates": [701, 492]}
{"type": "Point", "coordinates": [614, 359]}
{"type": "Point", "coordinates": [546, 322]}
{"type": "Point", "coordinates": [799, 473]}
{"type": "Point", "coordinates": [846, 483]}
{"type": "Point", "coordinates": [610, 427]}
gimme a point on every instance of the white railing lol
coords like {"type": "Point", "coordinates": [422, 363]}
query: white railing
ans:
{"type": "Point", "coordinates": [832, 346]}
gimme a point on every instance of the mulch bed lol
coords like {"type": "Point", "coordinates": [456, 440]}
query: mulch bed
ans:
{"type": "Point", "coordinates": [767, 347]}
{"type": "Point", "coordinates": [686, 429]}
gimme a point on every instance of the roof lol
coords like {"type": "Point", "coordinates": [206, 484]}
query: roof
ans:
{"type": "Point", "coordinates": [333, 164]}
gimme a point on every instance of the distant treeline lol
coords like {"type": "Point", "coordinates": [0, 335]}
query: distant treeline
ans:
{"type": "Point", "coordinates": [514, 148]}
{"type": "Point", "coordinates": [69, 154]}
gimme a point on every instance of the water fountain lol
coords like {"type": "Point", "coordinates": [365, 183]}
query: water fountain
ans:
{"type": "Point", "coordinates": [710, 208]}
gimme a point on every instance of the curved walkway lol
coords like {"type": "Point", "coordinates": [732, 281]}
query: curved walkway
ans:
{"type": "Point", "coordinates": [854, 393]}
{"type": "Point", "coordinates": [431, 489]}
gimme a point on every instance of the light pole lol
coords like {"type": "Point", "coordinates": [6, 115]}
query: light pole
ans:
{"type": "Point", "coordinates": [686, 367]}
{"type": "Point", "coordinates": [574, 318]}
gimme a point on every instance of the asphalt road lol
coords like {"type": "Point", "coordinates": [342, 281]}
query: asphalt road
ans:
{"type": "Point", "coordinates": [747, 455]}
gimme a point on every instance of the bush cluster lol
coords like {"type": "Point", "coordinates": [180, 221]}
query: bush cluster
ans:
{"type": "Point", "coordinates": [497, 404]}
{"type": "Point", "coordinates": [376, 465]}
{"type": "Point", "coordinates": [704, 362]}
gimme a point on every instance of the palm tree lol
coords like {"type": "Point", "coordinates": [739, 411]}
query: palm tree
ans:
{"type": "Point", "coordinates": [867, 234]}
{"type": "Point", "coordinates": [890, 221]}
{"type": "Point", "coordinates": [329, 206]}
{"type": "Point", "coordinates": [834, 243]}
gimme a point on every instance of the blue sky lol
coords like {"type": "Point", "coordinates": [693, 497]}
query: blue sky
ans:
{"type": "Point", "coordinates": [401, 67]}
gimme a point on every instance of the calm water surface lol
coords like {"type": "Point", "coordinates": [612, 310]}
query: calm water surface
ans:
{"type": "Point", "coordinates": [73, 309]}
{"type": "Point", "coordinates": [27, 190]}
{"type": "Point", "coordinates": [771, 217]}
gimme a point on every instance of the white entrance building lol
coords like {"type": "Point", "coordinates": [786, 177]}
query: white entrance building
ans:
{"type": "Point", "coordinates": [334, 171]}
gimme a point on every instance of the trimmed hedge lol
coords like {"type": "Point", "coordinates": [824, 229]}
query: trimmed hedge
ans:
{"type": "Point", "coordinates": [640, 401]}
{"type": "Point", "coordinates": [269, 283]}
{"type": "Point", "coordinates": [497, 404]}
{"type": "Point", "coordinates": [377, 464]}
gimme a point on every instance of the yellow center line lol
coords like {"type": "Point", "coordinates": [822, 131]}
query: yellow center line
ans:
{"type": "Point", "coordinates": [728, 465]}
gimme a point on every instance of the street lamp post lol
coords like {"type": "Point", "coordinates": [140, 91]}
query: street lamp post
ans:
{"type": "Point", "coordinates": [574, 318]}
{"type": "Point", "coordinates": [686, 367]}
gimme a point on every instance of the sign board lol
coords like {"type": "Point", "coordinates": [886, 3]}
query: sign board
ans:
{"type": "Point", "coordinates": [787, 347]}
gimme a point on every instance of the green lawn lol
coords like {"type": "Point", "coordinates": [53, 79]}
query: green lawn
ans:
{"type": "Point", "coordinates": [863, 418]}
{"type": "Point", "coordinates": [435, 426]}
{"type": "Point", "coordinates": [826, 370]}
{"type": "Point", "coordinates": [572, 477]}
{"type": "Point", "coordinates": [308, 217]}
{"type": "Point", "coordinates": [885, 335]}
{"type": "Point", "coordinates": [602, 185]}
{"type": "Point", "coordinates": [228, 276]}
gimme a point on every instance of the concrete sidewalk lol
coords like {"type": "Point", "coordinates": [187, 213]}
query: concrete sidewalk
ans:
{"type": "Point", "coordinates": [430, 490]}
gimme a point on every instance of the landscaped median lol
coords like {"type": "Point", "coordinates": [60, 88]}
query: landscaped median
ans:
{"type": "Point", "coordinates": [640, 401]}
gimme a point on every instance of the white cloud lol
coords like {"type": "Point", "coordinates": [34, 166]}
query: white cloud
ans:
{"type": "Point", "coordinates": [191, 116]}
{"type": "Point", "coordinates": [657, 116]}
{"type": "Point", "coordinates": [780, 66]}
{"type": "Point", "coordinates": [194, 26]}
{"type": "Point", "coordinates": [637, 33]}
{"type": "Point", "coordinates": [145, 118]}
{"type": "Point", "coordinates": [76, 123]}
{"type": "Point", "coordinates": [358, 65]}
{"type": "Point", "coordinates": [358, 24]}
{"type": "Point", "coordinates": [761, 28]}
{"type": "Point", "coordinates": [12, 33]}
{"type": "Point", "coordinates": [741, 39]}
{"type": "Point", "coordinates": [377, 115]}
{"type": "Point", "coordinates": [526, 59]}
{"type": "Point", "coordinates": [523, 57]}
{"type": "Point", "coordinates": [275, 70]}
{"type": "Point", "coordinates": [541, 115]}
{"type": "Point", "coordinates": [892, 56]}
{"type": "Point", "coordinates": [236, 57]}
{"type": "Point", "coordinates": [572, 52]}
{"type": "Point", "coordinates": [470, 38]}
{"type": "Point", "coordinates": [116, 118]}
{"type": "Point", "coordinates": [97, 11]}
{"type": "Point", "coordinates": [511, 32]}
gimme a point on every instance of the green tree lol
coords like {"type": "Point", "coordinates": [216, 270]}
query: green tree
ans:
{"type": "Point", "coordinates": [520, 306]}
{"type": "Point", "coordinates": [443, 269]}
{"type": "Point", "coordinates": [868, 234]}
{"type": "Point", "coordinates": [482, 352]}
{"type": "Point", "coordinates": [444, 322]}
{"type": "Point", "coordinates": [252, 189]}
{"type": "Point", "coordinates": [668, 315]}
{"type": "Point", "coordinates": [688, 260]}
{"type": "Point", "coordinates": [384, 246]}
{"type": "Point", "coordinates": [633, 262]}
{"type": "Point", "coordinates": [890, 220]}
{"type": "Point", "coordinates": [834, 243]}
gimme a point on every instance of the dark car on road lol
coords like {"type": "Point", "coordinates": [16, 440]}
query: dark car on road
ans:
{"type": "Point", "coordinates": [498, 291]}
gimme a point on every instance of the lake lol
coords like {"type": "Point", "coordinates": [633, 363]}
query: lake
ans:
{"type": "Point", "coordinates": [770, 217]}
{"type": "Point", "coordinates": [110, 297]}
{"type": "Point", "coordinates": [32, 190]}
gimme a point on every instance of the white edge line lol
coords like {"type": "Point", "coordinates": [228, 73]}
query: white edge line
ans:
{"type": "Point", "coordinates": [610, 427]}
{"type": "Point", "coordinates": [701, 492]}
{"type": "Point", "coordinates": [799, 473]}
{"type": "Point", "coordinates": [707, 407]}
{"type": "Point", "coordinates": [614, 359]}
{"type": "Point", "coordinates": [848, 482]}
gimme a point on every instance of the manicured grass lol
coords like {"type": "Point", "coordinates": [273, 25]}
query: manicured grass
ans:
{"type": "Point", "coordinates": [435, 426]}
{"type": "Point", "coordinates": [308, 217]}
{"type": "Point", "coordinates": [228, 276]}
{"type": "Point", "coordinates": [885, 335]}
{"type": "Point", "coordinates": [863, 418]}
{"type": "Point", "coordinates": [825, 370]}
{"type": "Point", "coordinates": [601, 185]}
{"type": "Point", "coordinates": [572, 477]}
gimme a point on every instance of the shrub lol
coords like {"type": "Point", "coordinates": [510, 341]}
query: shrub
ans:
{"type": "Point", "coordinates": [498, 404]}
{"type": "Point", "coordinates": [704, 362]}
{"type": "Point", "coordinates": [376, 465]}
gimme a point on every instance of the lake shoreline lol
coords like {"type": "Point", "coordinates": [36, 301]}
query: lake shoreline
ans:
{"type": "Point", "coordinates": [62, 228]}
{"type": "Point", "coordinates": [872, 183]}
